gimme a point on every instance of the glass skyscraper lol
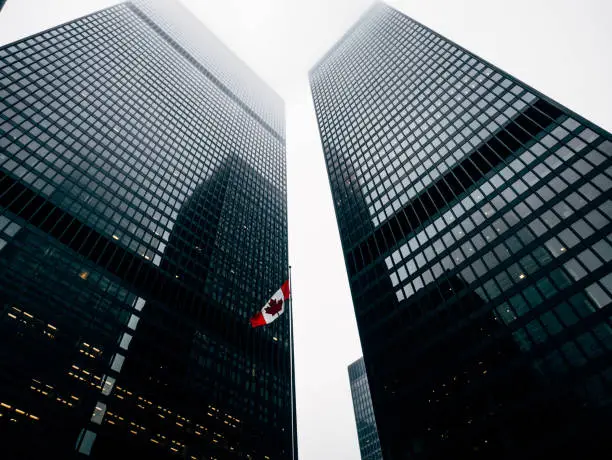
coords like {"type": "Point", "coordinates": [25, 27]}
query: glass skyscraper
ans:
{"type": "Point", "coordinates": [369, 445]}
{"type": "Point", "coordinates": [475, 218]}
{"type": "Point", "coordinates": [143, 221]}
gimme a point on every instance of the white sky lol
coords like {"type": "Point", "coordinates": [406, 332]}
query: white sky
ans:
{"type": "Point", "coordinates": [560, 47]}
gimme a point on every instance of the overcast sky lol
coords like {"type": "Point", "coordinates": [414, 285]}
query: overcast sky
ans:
{"type": "Point", "coordinates": [560, 47]}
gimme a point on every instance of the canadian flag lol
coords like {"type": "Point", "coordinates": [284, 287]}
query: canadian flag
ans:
{"type": "Point", "coordinates": [273, 308]}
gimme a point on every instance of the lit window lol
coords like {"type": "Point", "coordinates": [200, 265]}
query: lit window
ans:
{"type": "Point", "coordinates": [98, 413]}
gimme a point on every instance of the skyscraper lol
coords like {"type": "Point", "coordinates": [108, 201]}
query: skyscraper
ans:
{"type": "Point", "coordinates": [369, 445]}
{"type": "Point", "coordinates": [143, 221]}
{"type": "Point", "coordinates": [474, 214]}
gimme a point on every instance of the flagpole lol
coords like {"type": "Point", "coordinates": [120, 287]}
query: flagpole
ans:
{"type": "Point", "coordinates": [293, 408]}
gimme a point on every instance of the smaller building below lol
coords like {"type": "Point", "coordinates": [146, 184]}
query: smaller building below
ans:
{"type": "Point", "coordinates": [369, 445]}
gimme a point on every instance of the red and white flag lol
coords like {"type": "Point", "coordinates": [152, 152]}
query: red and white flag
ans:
{"type": "Point", "coordinates": [273, 308]}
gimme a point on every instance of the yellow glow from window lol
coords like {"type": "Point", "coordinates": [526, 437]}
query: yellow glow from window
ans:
{"type": "Point", "coordinates": [6, 406]}
{"type": "Point", "coordinates": [27, 314]}
{"type": "Point", "coordinates": [33, 417]}
{"type": "Point", "coordinates": [12, 316]}
{"type": "Point", "coordinates": [115, 237]}
{"type": "Point", "coordinates": [522, 276]}
{"type": "Point", "coordinates": [84, 275]}
{"type": "Point", "coordinates": [19, 411]}
{"type": "Point", "coordinates": [51, 326]}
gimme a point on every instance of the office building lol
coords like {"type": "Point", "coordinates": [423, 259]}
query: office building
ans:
{"type": "Point", "coordinates": [143, 221]}
{"type": "Point", "coordinates": [369, 445]}
{"type": "Point", "coordinates": [475, 219]}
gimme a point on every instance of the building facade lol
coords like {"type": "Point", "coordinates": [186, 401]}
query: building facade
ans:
{"type": "Point", "coordinates": [143, 220]}
{"type": "Point", "coordinates": [369, 445]}
{"type": "Point", "coordinates": [475, 219]}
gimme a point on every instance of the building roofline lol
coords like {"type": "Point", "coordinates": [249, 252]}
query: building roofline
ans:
{"type": "Point", "coordinates": [346, 34]}
{"type": "Point", "coordinates": [134, 7]}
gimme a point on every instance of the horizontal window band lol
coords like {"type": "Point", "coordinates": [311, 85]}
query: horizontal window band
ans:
{"type": "Point", "coordinates": [450, 187]}
{"type": "Point", "coordinates": [142, 277]}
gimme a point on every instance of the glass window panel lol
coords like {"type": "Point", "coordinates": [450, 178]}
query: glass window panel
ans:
{"type": "Point", "coordinates": [98, 413]}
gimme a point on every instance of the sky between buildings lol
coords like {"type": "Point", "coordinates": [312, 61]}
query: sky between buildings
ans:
{"type": "Point", "coordinates": [560, 47]}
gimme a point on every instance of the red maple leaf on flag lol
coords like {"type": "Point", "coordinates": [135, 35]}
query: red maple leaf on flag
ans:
{"type": "Point", "coordinates": [275, 307]}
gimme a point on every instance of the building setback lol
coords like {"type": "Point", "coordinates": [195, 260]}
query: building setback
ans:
{"type": "Point", "coordinates": [475, 219]}
{"type": "Point", "coordinates": [369, 445]}
{"type": "Point", "coordinates": [143, 221]}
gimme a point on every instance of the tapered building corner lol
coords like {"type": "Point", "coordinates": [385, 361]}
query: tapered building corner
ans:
{"type": "Point", "coordinates": [475, 219]}
{"type": "Point", "coordinates": [143, 221]}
